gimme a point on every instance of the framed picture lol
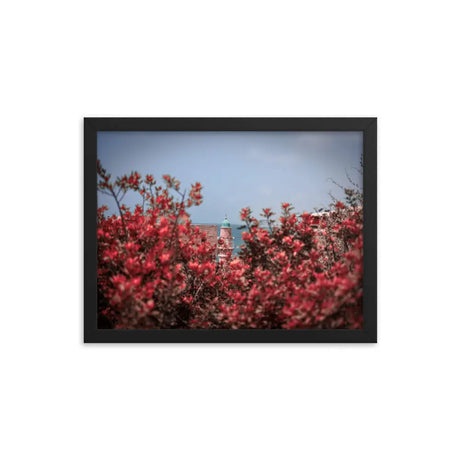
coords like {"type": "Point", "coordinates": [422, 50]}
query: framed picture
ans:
{"type": "Point", "coordinates": [230, 230]}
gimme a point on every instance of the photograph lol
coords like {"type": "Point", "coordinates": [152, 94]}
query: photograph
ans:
{"type": "Point", "coordinates": [230, 230]}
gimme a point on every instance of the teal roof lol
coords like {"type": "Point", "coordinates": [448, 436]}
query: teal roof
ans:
{"type": "Point", "coordinates": [225, 222]}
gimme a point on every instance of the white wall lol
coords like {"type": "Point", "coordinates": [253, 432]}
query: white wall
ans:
{"type": "Point", "coordinates": [62, 61]}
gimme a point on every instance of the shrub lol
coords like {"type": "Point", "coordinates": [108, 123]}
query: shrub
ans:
{"type": "Point", "coordinates": [157, 270]}
{"type": "Point", "coordinates": [294, 275]}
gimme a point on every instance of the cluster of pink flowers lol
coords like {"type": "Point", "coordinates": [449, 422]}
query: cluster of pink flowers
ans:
{"type": "Point", "coordinates": [298, 274]}
{"type": "Point", "coordinates": [157, 270]}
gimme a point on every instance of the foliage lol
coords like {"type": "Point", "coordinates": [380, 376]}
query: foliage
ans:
{"type": "Point", "coordinates": [152, 263]}
{"type": "Point", "coordinates": [304, 273]}
{"type": "Point", "coordinates": [157, 270]}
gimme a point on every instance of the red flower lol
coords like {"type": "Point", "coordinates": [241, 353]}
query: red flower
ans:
{"type": "Point", "coordinates": [244, 214]}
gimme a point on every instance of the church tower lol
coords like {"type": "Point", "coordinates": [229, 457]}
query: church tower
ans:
{"type": "Point", "coordinates": [225, 248]}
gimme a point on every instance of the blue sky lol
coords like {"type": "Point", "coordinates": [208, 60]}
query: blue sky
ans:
{"type": "Point", "coordinates": [238, 169]}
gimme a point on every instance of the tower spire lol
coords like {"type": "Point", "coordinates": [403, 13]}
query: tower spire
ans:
{"type": "Point", "coordinates": [225, 248]}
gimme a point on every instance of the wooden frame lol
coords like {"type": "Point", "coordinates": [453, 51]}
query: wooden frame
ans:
{"type": "Point", "coordinates": [369, 128]}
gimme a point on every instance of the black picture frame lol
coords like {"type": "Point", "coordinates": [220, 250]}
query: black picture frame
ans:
{"type": "Point", "coordinates": [366, 335]}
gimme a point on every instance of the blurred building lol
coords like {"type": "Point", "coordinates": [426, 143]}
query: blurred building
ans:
{"type": "Point", "coordinates": [211, 235]}
{"type": "Point", "coordinates": [223, 242]}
